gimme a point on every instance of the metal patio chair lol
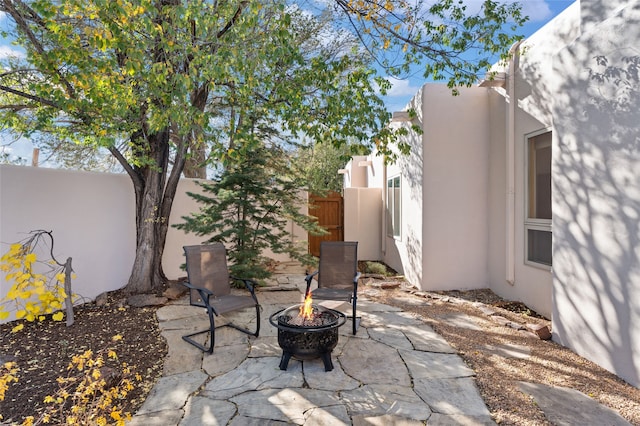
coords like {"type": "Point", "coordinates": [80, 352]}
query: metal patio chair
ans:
{"type": "Point", "coordinates": [209, 286]}
{"type": "Point", "coordinates": [337, 274]}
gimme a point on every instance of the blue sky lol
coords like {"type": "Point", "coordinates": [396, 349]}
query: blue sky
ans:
{"type": "Point", "coordinates": [539, 11]}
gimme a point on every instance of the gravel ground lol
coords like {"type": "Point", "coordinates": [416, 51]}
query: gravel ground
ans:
{"type": "Point", "coordinates": [497, 376]}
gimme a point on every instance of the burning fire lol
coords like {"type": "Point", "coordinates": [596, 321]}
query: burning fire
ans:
{"type": "Point", "coordinates": [306, 309]}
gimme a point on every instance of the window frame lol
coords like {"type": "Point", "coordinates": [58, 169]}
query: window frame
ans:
{"type": "Point", "coordinates": [532, 223]}
{"type": "Point", "coordinates": [394, 207]}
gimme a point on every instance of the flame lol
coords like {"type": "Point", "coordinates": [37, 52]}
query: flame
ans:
{"type": "Point", "coordinates": [306, 309]}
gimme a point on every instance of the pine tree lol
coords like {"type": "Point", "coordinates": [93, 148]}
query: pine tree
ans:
{"type": "Point", "coordinates": [249, 208]}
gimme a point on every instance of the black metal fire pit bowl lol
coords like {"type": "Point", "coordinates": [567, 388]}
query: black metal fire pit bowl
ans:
{"type": "Point", "coordinates": [307, 341]}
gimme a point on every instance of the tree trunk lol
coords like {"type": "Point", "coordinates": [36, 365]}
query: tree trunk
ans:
{"type": "Point", "coordinates": [195, 166]}
{"type": "Point", "coordinates": [152, 218]}
{"type": "Point", "coordinates": [195, 163]}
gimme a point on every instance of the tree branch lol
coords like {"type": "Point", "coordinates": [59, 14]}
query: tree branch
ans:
{"type": "Point", "coordinates": [29, 96]}
{"type": "Point", "coordinates": [233, 20]}
{"type": "Point", "coordinates": [9, 7]}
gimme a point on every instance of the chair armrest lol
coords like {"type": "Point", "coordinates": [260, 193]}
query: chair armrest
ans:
{"type": "Point", "coordinates": [204, 292]}
{"type": "Point", "coordinates": [308, 279]}
{"type": "Point", "coordinates": [199, 289]}
{"type": "Point", "coordinates": [249, 284]}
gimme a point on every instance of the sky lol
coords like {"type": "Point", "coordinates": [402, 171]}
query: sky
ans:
{"type": "Point", "coordinates": [539, 12]}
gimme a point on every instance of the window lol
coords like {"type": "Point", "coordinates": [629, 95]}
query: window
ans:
{"type": "Point", "coordinates": [393, 207]}
{"type": "Point", "coordinates": [538, 220]}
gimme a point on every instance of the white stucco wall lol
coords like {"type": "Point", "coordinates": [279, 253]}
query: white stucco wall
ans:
{"type": "Point", "coordinates": [354, 175]}
{"type": "Point", "coordinates": [593, 291]}
{"type": "Point", "coordinates": [497, 197]}
{"type": "Point", "coordinates": [533, 89]}
{"type": "Point", "coordinates": [596, 203]}
{"type": "Point", "coordinates": [405, 253]}
{"type": "Point", "coordinates": [455, 185]}
{"type": "Point", "coordinates": [362, 219]}
{"type": "Point", "coordinates": [92, 216]}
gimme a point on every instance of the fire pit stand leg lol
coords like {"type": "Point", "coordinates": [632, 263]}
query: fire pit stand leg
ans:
{"type": "Point", "coordinates": [284, 360]}
{"type": "Point", "coordinates": [328, 364]}
{"type": "Point", "coordinates": [326, 359]}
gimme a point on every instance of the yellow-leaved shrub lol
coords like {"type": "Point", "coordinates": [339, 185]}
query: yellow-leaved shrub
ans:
{"type": "Point", "coordinates": [32, 295]}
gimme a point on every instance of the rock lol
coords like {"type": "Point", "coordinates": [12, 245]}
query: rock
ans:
{"type": "Point", "coordinates": [141, 300]}
{"type": "Point", "coordinates": [373, 276]}
{"type": "Point", "coordinates": [542, 331]}
{"type": "Point", "coordinates": [111, 376]}
{"type": "Point", "coordinates": [387, 285]}
{"type": "Point", "coordinates": [515, 325]}
{"type": "Point", "coordinates": [500, 319]}
{"type": "Point", "coordinates": [174, 291]}
{"type": "Point", "coordinates": [102, 299]}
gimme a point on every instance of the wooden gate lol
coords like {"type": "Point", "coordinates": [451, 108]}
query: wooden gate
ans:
{"type": "Point", "coordinates": [329, 212]}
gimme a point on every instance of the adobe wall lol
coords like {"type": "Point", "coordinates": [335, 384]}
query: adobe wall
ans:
{"type": "Point", "coordinates": [596, 203]}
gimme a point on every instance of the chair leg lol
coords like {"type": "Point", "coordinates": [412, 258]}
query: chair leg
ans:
{"type": "Point", "coordinates": [354, 321]}
{"type": "Point", "coordinates": [211, 330]}
{"type": "Point", "coordinates": [247, 331]}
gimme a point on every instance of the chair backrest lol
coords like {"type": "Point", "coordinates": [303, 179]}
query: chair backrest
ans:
{"type": "Point", "coordinates": [207, 268]}
{"type": "Point", "coordinates": [338, 264]}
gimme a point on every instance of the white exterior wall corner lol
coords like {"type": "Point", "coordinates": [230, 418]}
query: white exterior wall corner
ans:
{"type": "Point", "coordinates": [497, 199]}
{"type": "Point", "coordinates": [455, 185]}
{"type": "Point", "coordinates": [534, 94]}
{"type": "Point", "coordinates": [356, 174]}
{"type": "Point", "coordinates": [363, 219]}
{"type": "Point", "coordinates": [596, 201]}
{"type": "Point", "coordinates": [404, 254]}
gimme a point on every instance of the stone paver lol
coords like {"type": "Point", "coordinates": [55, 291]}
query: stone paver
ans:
{"type": "Point", "coordinates": [171, 392]}
{"type": "Point", "coordinates": [201, 411]}
{"type": "Point", "coordinates": [396, 371]}
{"type": "Point", "coordinates": [384, 420]}
{"type": "Point", "coordinates": [386, 400]}
{"type": "Point", "coordinates": [292, 404]}
{"type": "Point", "coordinates": [451, 396]}
{"type": "Point", "coordinates": [158, 418]}
{"type": "Point", "coordinates": [369, 361]}
{"type": "Point", "coordinates": [180, 359]}
{"type": "Point", "coordinates": [251, 374]}
{"type": "Point", "coordinates": [460, 420]}
{"type": "Point", "coordinates": [316, 377]}
{"type": "Point", "coordinates": [227, 359]}
{"type": "Point", "coordinates": [434, 365]}
{"type": "Point", "coordinates": [423, 338]}
{"type": "Point", "coordinates": [395, 340]}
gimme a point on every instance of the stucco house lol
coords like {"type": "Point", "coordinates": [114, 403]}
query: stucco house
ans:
{"type": "Point", "coordinates": [528, 184]}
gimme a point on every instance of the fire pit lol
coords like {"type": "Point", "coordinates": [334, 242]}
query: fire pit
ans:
{"type": "Point", "coordinates": [307, 331]}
